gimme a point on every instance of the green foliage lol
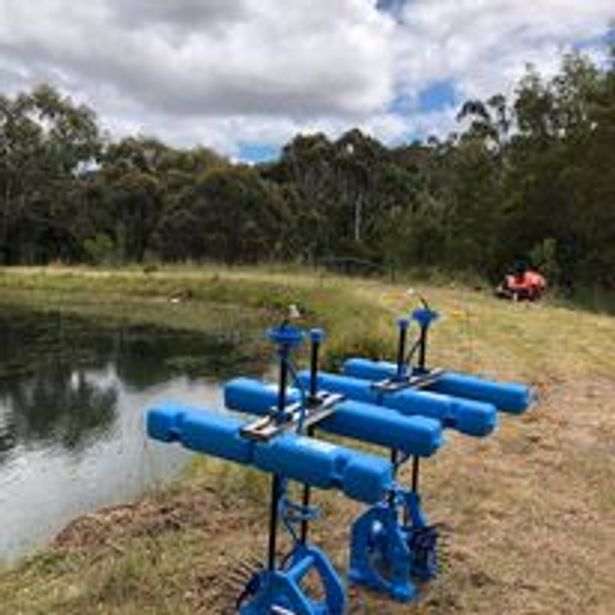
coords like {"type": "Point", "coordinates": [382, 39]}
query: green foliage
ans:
{"type": "Point", "coordinates": [230, 214]}
{"type": "Point", "coordinates": [530, 177]}
{"type": "Point", "coordinates": [46, 142]}
{"type": "Point", "coordinates": [99, 249]}
{"type": "Point", "coordinates": [544, 256]}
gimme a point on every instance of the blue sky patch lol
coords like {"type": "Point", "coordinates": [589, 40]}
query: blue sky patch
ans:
{"type": "Point", "coordinates": [402, 104]}
{"type": "Point", "coordinates": [437, 96]}
{"type": "Point", "coordinates": [391, 6]}
{"type": "Point", "coordinates": [255, 152]}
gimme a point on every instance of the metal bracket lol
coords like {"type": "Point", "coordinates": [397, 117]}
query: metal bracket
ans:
{"type": "Point", "coordinates": [416, 381]}
{"type": "Point", "coordinates": [276, 422]}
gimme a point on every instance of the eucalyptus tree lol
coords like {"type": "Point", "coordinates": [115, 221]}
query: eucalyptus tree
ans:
{"type": "Point", "coordinates": [230, 213]}
{"type": "Point", "coordinates": [46, 142]}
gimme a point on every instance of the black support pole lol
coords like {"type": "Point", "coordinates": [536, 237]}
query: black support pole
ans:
{"type": "Point", "coordinates": [305, 501]}
{"type": "Point", "coordinates": [282, 382]}
{"type": "Point", "coordinates": [394, 462]}
{"type": "Point", "coordinates": [415, 484]}
{"type": "Point", "coordinates": [415, 473]}
{"type": "Point", "coordinates": [423, 347]}
{"type": "Point", "coordinates": [316, 336]}
{"type": "Point", "coordinates": [276, 481]}
{"type": "Point", "coordinates": [403, 324]}
{"type": "Point", "coordinates": [314, 370]}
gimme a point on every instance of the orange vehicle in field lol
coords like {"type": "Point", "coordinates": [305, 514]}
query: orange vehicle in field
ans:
{"type": "Point", "coordinates": [524, 284]}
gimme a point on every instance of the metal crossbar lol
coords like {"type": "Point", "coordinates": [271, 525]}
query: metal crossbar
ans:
{"type": "Point", "coordinates": [276, 422]}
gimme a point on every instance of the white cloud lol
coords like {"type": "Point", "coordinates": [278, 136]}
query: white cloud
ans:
{"type": "Point", "coordinates": [307, 56]}
{"type": "Point", "coordinates": [226, 72]}
{"type": "Point", "coordinates": [484, 45]}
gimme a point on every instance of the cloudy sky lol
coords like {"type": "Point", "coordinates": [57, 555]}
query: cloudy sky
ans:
{"type": "Point", "coordinates": [243, 76]}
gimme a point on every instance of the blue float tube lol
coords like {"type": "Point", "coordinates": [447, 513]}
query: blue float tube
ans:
{"type": "Point", "coordinates": [470, 417]}
{"type": "Point", "coordinates": [253, 396]}
{"type": "Point", "coordinates": [360, 476]}
{"type": "Point", "coordinates": [414, 435]}
{"type": "Point", "coordinates": [507, 397]}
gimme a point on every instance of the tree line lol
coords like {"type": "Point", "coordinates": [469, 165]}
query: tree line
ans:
{"type": "Point", "coordinates": [530, 177]}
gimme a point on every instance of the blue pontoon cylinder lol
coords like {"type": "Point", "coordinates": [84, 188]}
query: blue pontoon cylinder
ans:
{"type": "Point", "coordinates": [253, 396]}
{"type": "Point", "coordinates": [414, 435]}
{"type": "Point", "coordinates": [508, 397]}
{"type": "Point", "coordinates": [467, 416]}
{"type": "Point", "coordinates": [206, 432]}
{"type": "Point", "coordinates": [360, 476]}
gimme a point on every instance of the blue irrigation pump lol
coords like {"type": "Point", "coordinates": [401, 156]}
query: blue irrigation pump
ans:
{"type": "Point", "coordinates": [388, 563]}
{"type": "Point", "coordinates": [402, 406]}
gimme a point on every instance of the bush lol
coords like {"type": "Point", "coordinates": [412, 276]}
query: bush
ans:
{"type": "Point", "coordinates": [99, 249]}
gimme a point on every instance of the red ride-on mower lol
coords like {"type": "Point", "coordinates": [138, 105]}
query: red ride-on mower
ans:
{"type": "Point", "coordinates": [522, 285]}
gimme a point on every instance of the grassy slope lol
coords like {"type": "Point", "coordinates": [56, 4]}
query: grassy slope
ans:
{"type": "Point", "coordinates": [530, 511]}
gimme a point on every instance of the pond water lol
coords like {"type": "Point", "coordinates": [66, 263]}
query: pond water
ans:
{"type": "Point", "coordinates": [72, 400]}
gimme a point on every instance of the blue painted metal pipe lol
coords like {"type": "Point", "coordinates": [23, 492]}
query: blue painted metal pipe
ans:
{"type": "Point", "coordinates": [413, 435]}
{"type": "Point", "coordinates": [469, 417]}
{"type": "Point", "coordinates": [360, 476]}
{"type": "Point", "coordinates": [507, 397]}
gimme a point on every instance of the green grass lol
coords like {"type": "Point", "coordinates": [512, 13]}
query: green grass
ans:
{"type": "Point", "coordinates": [530, 511]}
{"type": "Point", "coordinates": [184, 297]}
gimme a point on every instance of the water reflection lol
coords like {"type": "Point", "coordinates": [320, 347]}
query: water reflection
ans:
{"type": "Point", "coordinates": [71, 414]}
{"type": "Point", "coordinates": [46, 395]}
{"type": "Point", "coordinates": [57, 404]}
